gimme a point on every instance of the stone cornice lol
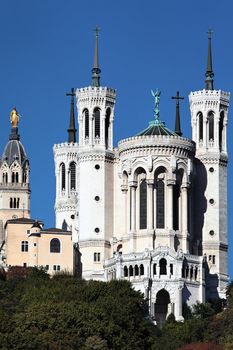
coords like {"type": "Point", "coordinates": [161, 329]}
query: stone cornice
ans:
{"type": "Point", "coordinates": [156, 145]}
{"type": "Point", "coordinates": [94, 243]}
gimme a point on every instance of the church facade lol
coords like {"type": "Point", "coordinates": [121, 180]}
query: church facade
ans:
{"type": "Point", "coordinates": [153, 210]}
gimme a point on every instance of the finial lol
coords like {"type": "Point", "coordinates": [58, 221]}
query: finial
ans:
{"type": "Point", "coordinates": [177, 123]}
{"type": "Point", "coordinates": [209, 71]}
{"type": "Point", "coordinates": [71, 130]}
{"type": "Point", "coordinates": [96, 70]}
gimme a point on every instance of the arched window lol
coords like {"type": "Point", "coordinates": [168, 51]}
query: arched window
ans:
{"type": "Point", "coordinates": [159, 203]}
{"type": "Point", "coordinates": [97, 122]}
{"type": "Point", "coordinates": [17, 202]}
{"type": "Point", "coordinates": [13, 177]}
{"type": "Point", "coordinates": [136, 270]}
{"type": "Point", "coordinates": [16, 177]}
{"type": "Point", "coordinates": [125, 271]}
{"type": "Point", "coordinates": [14, 205]}
{"type": "Point", "coordinates": [141, 269]}
{"type": "Point", "coordinates": [154, 269]}
{"type": "Point", "coordinates": [131, 270]}
{"type": "Point", "coordinates": [5, 178]}
{"type": "Point", "coordinates": [24, 176]}
{"type": "Point", "coordinates": [200, 124]}
{"type": "Point", "coordinates": [86, 116]}
{"type": "Point", "coordinates": [55, 245]}
{"type": "Point", "coordinates": [163, 266]}
{"type": "Point", "coordinates": [107, 124]}
{"type": "Point", "coordinates": [72, 175]}
{"type": "Point", "coordinates": [63, 176]}
{"type": "Point", "coordinates": [221, 130]}
{"type": "Point", "coordinates": [211, 126]}
{"type": "Point", "coordinates": [176, 195]}
{"type": "Point", "coordinates": [143, 204]}
{"type": "Point", "coordinates": [11, 202]}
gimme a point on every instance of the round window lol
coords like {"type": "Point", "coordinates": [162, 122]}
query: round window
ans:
{"type": "Point", "coordinates": [211, 232]}
{"type": "Point", "coordinates": [97, 166]}
{"type": "Point", "coordinates": [97, 230]}
{"type": "Point", "coordinates": [211, 201]}
{"type": "Point", "coordinates": [97, 198]}
{"type": "Point", "coordinates": [72, 216]}
{"type": "Point", "coordinates": [211, 169]}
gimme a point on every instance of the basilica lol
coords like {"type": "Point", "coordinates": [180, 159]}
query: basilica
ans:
{"type": "Point", "coordinates": [153, 210]}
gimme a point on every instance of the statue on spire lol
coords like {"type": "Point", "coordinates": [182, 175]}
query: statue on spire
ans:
{"type": "Point", "coordinates": [14, 118]}
{"type": "Point", "coordinates": [156, 94]}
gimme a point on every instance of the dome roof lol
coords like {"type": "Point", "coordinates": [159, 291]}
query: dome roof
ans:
{"type": "Point", "coordinates": [157, 127]}
{"type": "Point", "coordinates": [14, 150]}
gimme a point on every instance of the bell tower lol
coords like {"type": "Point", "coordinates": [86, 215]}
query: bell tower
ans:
{"type": "Point", "coordinates": [209, 113]}
{"type": "Point", "coordinates": [95, 106]}
{"type": "Point", "coordinates": [14, 178]}
{"type": "Point", "coordinates": [67, 177]}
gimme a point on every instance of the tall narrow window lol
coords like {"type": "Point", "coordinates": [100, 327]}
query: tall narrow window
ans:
{"type": "Point", "coordinates": [163, 266]}
{"type": "Point", "coordinates": [107, 124]}
{"type": "Point", "coordinates": [221, 130]}
{"type": "Point", "coordinates": [13, 177]}
{"type": "Point", "coordinates": [17, 202]}
{"type": "Point", "coordinates": [86, 116]}
{"type": "Point", "coordinates": [5, 178]}
{"type": "Point", "coordinates": [97, 122]}
{"type": "Point", "coordinates": [16, 177]}
{"type": "Point", "coordinates": [211, 126]}
{"type": "Point", "coordinates": [176, 195]}
{"type": "Point", "coordinates": [72, 176]}
{"type": "Point", "coordinates": [200, 121]}
{"type": "Point", "coordinates": [63, 176]}
{"type": "Point", "coordinates": [143, 204]}
{"type": "Point", "coordinates": [11, 202]}
{"type": "Point", "coordinates": [14, 203]}
{"type": "Point", "coordinates": [160, 204]}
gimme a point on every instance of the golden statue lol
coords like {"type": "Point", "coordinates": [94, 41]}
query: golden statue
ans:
{"type": "Point", "coordinates": [14, 118]}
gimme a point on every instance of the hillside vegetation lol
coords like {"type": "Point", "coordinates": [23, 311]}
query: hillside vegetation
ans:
{"type": "Point", "coordinates": [38, 312]}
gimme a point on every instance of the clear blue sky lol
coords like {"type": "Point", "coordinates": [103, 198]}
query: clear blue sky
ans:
{"type": "Point", "coordinates": [46, 47]}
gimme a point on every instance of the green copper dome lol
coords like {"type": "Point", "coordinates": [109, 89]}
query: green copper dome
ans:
{"type": "Point", "coordinates": [156, 127]}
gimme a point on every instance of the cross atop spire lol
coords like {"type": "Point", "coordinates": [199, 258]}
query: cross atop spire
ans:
{"type": "Point", "coordinates": [96, 70]}
{"type": "Point", "coordinates": [71, 130]}
{"type": "Point", "coordinates": [177, 123]}
{"type": "Point", "coordinates": [209, 70]}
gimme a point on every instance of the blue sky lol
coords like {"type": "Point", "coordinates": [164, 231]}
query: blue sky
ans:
{"type": "Point", "coordinates": [46, 47]}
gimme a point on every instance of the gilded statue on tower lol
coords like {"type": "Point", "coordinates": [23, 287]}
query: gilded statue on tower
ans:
{"type": "Point", "coordinates": [14, 118]}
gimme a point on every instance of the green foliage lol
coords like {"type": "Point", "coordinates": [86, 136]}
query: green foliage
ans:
{"type": "Point", "coordinates": [39, 312]}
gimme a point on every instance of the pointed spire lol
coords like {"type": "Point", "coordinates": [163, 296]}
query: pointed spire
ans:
{"type": "Point", "coordinates": [209, 82]}
{"type": "Point", "coordinates": [71, 130]}
{"type": "Point", "coordinates": [96, 70]}
{"type": "Point", "coordinates": [177, 123]}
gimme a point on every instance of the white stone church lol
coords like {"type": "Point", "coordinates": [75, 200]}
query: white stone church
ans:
{"type": "Point", "coordinates": [152, 210]}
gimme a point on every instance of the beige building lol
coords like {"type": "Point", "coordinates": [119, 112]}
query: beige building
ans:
{"type": "Point", "coordinates": [28, 244]}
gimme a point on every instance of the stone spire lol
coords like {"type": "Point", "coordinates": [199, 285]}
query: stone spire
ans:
{"type": "Point", "coordinates": [71, 130]}
{"type": "Point", "coordinates": [209, 82]}
{"type": "Point", "coordinates": [96, 70]}
{"type": "Point", "coordinates": [177, 123]}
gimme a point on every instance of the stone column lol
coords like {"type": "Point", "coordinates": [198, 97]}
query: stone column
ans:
{"type": "Point", "coordinates": [124, 189]}
{"type": "Point", "coordinates": [216, 131]}
{"type": "Point", "coordinates": [91, 129]}
{"type": "Point", "coordinates": [150, 183]}
{"type": "Point", "coordinates": [67, 180]}
{"type": "Point", "coordinates": [102, 127]}
{"type": "Point", "coordinates": [184, 195]}
{"type": "Point", "coordinates": [133, 186]}
{"type": "Point", "coordinates": [205, 134]}
{"type": "Point", "coordinates": [169, 204]}
{"type": "Point", "coordinates": [179, 302]}
{"type": "Point", "coordinates": [224, 136]}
